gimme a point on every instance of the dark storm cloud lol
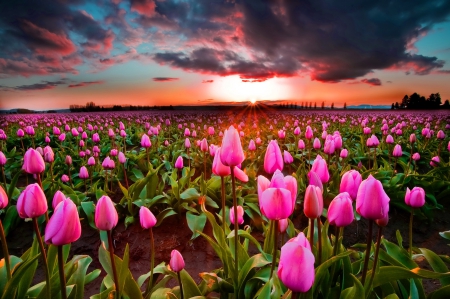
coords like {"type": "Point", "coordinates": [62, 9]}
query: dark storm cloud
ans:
{"type": "Point", "coordinates": [372, 81]}
{"type": "Point", "coordinates": [329, 41]}
{"type": "Point", "coordinates": [40, 86]}
{"type": "Point", "coordinates": [164, 79]}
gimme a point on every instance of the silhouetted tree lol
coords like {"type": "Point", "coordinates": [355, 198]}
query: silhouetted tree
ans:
{"type": "Point", "coordinates": [332, 105]}
{"type": "Point", "coordinates": [323, 105]}
{"type": "Point", "coordinates": [345, 105]}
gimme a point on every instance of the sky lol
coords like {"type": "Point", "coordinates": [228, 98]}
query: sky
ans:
{"type": "Point", "coordinates": [55, 53]}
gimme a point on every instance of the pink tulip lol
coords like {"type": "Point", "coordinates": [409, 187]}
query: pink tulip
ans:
{"type": "Point", "coordinates": [145, 141]}
{"type": "Point", "coordinates": [320, 167]}
{"type": "Point", "coordinates": [91, 161]}
{"type": "Point", "coordinates": [211, 130]}
{"type": "Point", "coordinates": [258, 141]}
{"type": "Point", "coordinates": [435, 161]}
{"type": "Point", "coordinates": [68, 160]}
{"type": "Point", "coordinates": [277, 197]}
{"type": "Point", "coordinates": [84, 174]}
{"type": "Point", "coordinates": [122, 158]}
{"type": "Point", "coordinates": [288, 159]}
{"type": "Point", "coordinates": [240, 175]}
{"type": "Point", "coordinates": [297, 131]}
{"type": "Point", "coordinates": [187, 132]}
{"type": "Point", "coordinates": [416, 156]}
{"type": "Point", "coordinates": [20, 133]}
{"type": "Point", "coordinates": [308, 133]}
{"type": "Point", "coordinates": [273, 159]}
{"type": "Point", "coordinates": [296, 267]}
{"type": "Point", "coordinates": [412, 138]}
{"type": "Point", "coordinates": [440, 135]}
{"type": "Point", "coordinates": [281, 134]}
{"type": "Point", "coordinates": [64, 226]}
{"type": "Point", "coordinates": [316, 143]}
{"type": "Point", "coordinates": [397, 152]}
{"type": "Point", "coordinates": [313, 202]}
{"type": "Point", "coordinates": [383, 221]}
{"type": "Point", "coordinates": [350, 183]}
{"type": "Point", "coordinates": [187, 143]}
{"type": "Point", "coordinates": [113, 152]}
{"type": "Point", "coordinates": [31, 202]}
{"type": "Point", "coordinates": [49, 156]}
{"type": "Point", "coordinates": [344, 153]}
{"type": "Point", "coordinates": [231, 153]}
{"type": "Point", "coordinates": [371, 201]}
{"type": "Point", "coordinates": [96, 138]}
{"type": "Point", "coordinates": [337, 140]}
{"type": "Point", "coordinates": [240, 212]}
{"type": "Point", "coordinates": [179, 163]}
{"type": "Point", "coordinates": [62, 137]}
{"type": "Point", "coordinates": [148, 220]}
{"type": "Point", "coordinates": [389, 139]}
{"type": "Point", "coordinates": [301, 145]}
{"type": "Point", "coordinates": [64, 178]}
{"type": "Point", "coordinates": [340, 211]}
{"type": "Point", "coordinates": [3, 198]}
{"type": "Point", "coordinates": [74, 132]}
{"type": "Point", "coordinates": [282, 225]}
{"type": "Point", "coordinates": [204, 145]}
{"type": "Point", "coordinates": [33, 163]}
{"type": "Point", "coordinates": [2, 159]}
{"type": "Point", "coordinates": [106, 217]}
{"type": "Point", "coordinates": [57, 198]}
{"type": "Point", "coordinates": [415, 198]}
{"type": "Point", "coordinates": [176, 261]}
{"type": "Point", "coordinates": [372, 141]}
{"type": "Point", "coordinates": [252, 145]}
{"type": "Point", "coordinates": [218, 168]}
{"type": "Point", "coordinates": [301, 240]}
{"type": "Point", "coordinates": [212, 150]}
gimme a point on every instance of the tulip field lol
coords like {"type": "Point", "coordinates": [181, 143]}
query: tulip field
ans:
{"type": "Point", "coordinates": [288, 204]}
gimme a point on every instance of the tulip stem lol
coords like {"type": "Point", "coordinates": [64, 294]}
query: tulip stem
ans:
{"type": "Point", "coordinates": [62, 277]}
{"type": "Point", "coordinates": [181, 285]}
{"type": "Point", "coordinates": [377, 250]}
{"type": "Point", "coordinates": [311, 232]}
{"type": "Point", "coordinates": [152, 264]}
{"type": "Point", "coordinates": [4, 178]}
{"type": "Point", "coordinates": [189, 159]}
{"type": "Point", "coordinates": [5, 251]}
{"type": "Point", "coordinates": [113, 264]}
{"type": "Point", "coordinates": [236, 227]}
{"type": "Point", "coordinates": [410, 231]}
{"type": "Point", "coordinates": [367, 255]}
{"type": "Point", "coordinates": [125, 176]}
{"type": "Point", "coordinates": [44, 257]}
{"type": "Point", "coordinates": [319, 240]}
{"type": "Point", "coordinates": [222, 180]}
{"type": "Point", "coordinates": [275, 247]}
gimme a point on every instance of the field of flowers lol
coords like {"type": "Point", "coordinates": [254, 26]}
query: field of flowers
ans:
{"type": "Point", "coordinates": [240, 173]}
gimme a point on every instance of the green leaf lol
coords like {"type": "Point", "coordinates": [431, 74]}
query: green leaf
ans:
{"type": "Point", "coordinates": [11, 219]}
{"type": "Point", "coordinates": [256, 261]}
{"type": "Point", "coordinates": [442, 293]}
{"type": "Point", "coordinates": [388, 274]}
{"type": "Point", "coordinates": [437, 264]}
{"type": "Point", "coordinates": [190, 194]}
{"type": "Point", "coordinates": [445, 234]}
{"type": "Point", "coordinates": [195, 223]}
{"type": "Point", "coordinates": [14, 261]}
{"type": "Point", "coordinates": [13, 184]}
{"type": "Point", "coordinates": [164, 214]}
{"type": "Point", "coordinates": [357, 291]}
{"type": "Point", "coordinates": [89, 209]}
{"type": "Point", "coordinates": [13, 284]}
{"type": "Point", "coordinates": [190, 288]}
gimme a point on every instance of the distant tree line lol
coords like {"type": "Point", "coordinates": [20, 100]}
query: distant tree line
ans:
{"type": "Point", "coordinates": [416, 101]}
{"type": "Point", "coordinates": [305, 105]}
{"type": "Point", "coordinates": [91, 107]}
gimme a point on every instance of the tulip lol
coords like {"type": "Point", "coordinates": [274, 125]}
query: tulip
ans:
{"type": "Point", "coordinates": [435, 161]}
{"type": "Point", "coordinates": [252, 145]}
{"type": "Point", "coordinates": [64, 226]}
{"type": "Point", "coordinates": [316, 143]}
{"type": "Point", "coordinates": [340, 211]}
{"type": "Point", "coordinates": [4, 204]}
{"type": "Point", "coordinates": [372, 203]}
{"type": "Point", "coordinates": [33, 163]}
{"type": "Point", "coordinates": [176, 261]}
{"type": "Point", "coordinates": [148, 221]}
{"type": "Point", "coordinates": [301, 144]}
{"type": "Point", "coordinates": [296, 267]}
{"type": "Point", "coordinates": [240, 216]}
{"type": "Point", "coordinates": [179, 163]}
{"type": "Point", "coordinates": [414, 198]}
{"type": "Point", "coordinates": [313, 202]}
{"type": "Point", "coordinates": [95, 138]}
{"type": "Point", "coordinates": [273, 159]}
{"type": "Point", "coordinates": [2, 159]}
{"type": "Point", "coordinates": [231, 153]}
{"type": "Point", "coordinates": [397, 152]}
{"type": "Point", "coordinates": [20, 133]}
{"type": "Point", "coordinates": [57, 198]}
{"type": "Point", "coordinates": [145, 141]}
{"type": "Point", "coordinates": [288, 159]}
{"type": "Point", "coordinates": [106, 217]}
{"type": "Point", "coordinates": [308, 133]}
{"type": "Point", "coordinates": [440, 135]}
{"type": "Point", "coordinates": [329, 148]}
{"type": "Point", "coordinates": [32, 204]}
{"type": "Point", "coordinates": [211, 131]}
{"type": "Point", "coordinates": [65, 178]}
{"type": "Point", "coordinates": [344, 153]}
{"type": "Point", "coordinates": [297, 131]}
{"type": "Point", "coordinates": [350, 183]}
{"type": "Point", "coordinates": [281, 134]}
{"type": "Point", "coordinates": [389, 139]}
{"type": "Point", "coordinates": [84, 174]}
{"type": "Point", "coordinates": [212, 150]}
{"type": "Point", "coordinates": [204, 145]}
{"type": "Point", "coordinates": [282, 226]}
{"type": "Point", "coordinates": [416, 156]}
{"type": "Point", "coordinates": [91, 161]}
{"type": "Point", "coordinates": [320, 167]}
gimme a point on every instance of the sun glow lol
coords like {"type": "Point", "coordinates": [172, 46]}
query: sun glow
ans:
{"type": "Point", "coordinates": [233, 89]}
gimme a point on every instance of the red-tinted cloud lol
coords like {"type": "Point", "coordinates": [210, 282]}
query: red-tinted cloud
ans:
{"type": "Point", "coordinates": [207, 81]}
{"type": "Point", "coordinates": [372, 81]}
{"type": "Point", "coordinates": [164, 79]}
{"type": "Point", "coordinates": [143, 7]}
{"type": "Point", "coordinates": [87, 83]}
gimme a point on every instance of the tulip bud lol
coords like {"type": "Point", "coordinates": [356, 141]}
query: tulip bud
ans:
{"type": "Point", "coordinates": [218, 168]}
{"type": "Point", "coordinates": [372, 201]}
{"type": "Point", "coordinates": [415, 198]}
{"type": "Point", "coordinates": [179, 162]}
{"type": "Point", "coordinates": [64, 226]}
{"type": "Point", "coordinates": [2, 159]}
{"type": "Point", "coordinates": [308, 133]}
{"type": "Point", "coordinates": [68, 160]}
{"type": "Point", "coordinates": [416, 156]}
{"type": "Point", "coordinates": [31, 202]}
{"type": "Point", "coordinates": [148, 220]}
{"type": "Point", "coordinates": [204, 145]}
{"type": "Point", "coordinates": [301, 145]}
{"type": "Point", "coordinates": [282, 225]}
{"type": "Point", "coordinates": [145, 141]}
{"type": "Point", "coordinates": [3, 198]}
{"type": "Point", "coordinates": [389, 139]}
{"type": "Point", "coordinates": [320, 167]}
{"type": "Point", "coordinates": [313, 202]}
{"type": "Point", "coordinates": [344, 153]}
{"type": "Point", "coordinates": [397, 152]}
{"type": "Point", "coordinates": [187, 143]}
{"type": "Point", "coordinates": [288, 159]}
{"type": "Point", "coordinates": [240, 212]}
{"type": "Point", "coordinates": [314, 179]}
{"type": "Point", "coordinates": [176, 261]}
{"type": "Point", "coordinates": [252, 145]}
{"type": "Point", "coordinates": [231, 153]}
{"type": "Point", "coordinates": [350, 183]}
{"type": "Point", "coordinates": [106, 217]}
{"type": "Point", "coordinates": [57, 198]}
{"type": "Point", "coordinates": [340, 211]}
{"type": "Point", "coordinates": [64, 178]}
{"type": "Point", "coordinates": [273, 160]}
{"type": "Point", "coordinates": [84, 174]}
{"type": "Point", "coordinates": [33, 163]}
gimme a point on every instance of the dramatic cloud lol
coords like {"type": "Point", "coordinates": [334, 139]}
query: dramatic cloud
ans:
{"type": "Point", "coordinates": [256, 40]}
{"type": "Point", "coordinates": [164, 79]}
{"type": "Point", "coordinates": [207, 81]}
{"type": "Point", "coordinates": [40, 86]}
{"type": "Point", "coordinates": [82, 84]}
{"type": "Point", "coordinates": [372, 81]}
